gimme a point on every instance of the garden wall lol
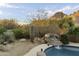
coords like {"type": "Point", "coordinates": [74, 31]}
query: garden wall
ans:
{"type": "Point", "coordinates": [73, 38]}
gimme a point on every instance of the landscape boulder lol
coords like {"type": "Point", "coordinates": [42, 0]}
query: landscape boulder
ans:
{"type": "Point", "coordinates": [22, 40]}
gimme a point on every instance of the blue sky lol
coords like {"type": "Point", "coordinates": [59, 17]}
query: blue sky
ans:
{"type": "Point", "coordinates": [23, 11]}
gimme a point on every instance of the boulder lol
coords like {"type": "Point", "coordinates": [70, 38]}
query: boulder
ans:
{"type": "Point", "coordinates": [22, 40]}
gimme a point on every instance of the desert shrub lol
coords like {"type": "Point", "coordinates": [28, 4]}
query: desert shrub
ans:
{"type": "Point", "coordinates": [2, 29]}
{"type": "Point", "coordinates": [26, 34]}
{"type": "Point", "coordinates": [74, 31]}
{"type": "Point", "coordinates": [64, 39]}
{"type": "Point", "coordinates": [18, 33]}
{"type": "Point", "coordinates": [1, 38]}
{"type": "Point", "coordinates": [21, 33]}
{"type": "Point", "coordinates": [9, 36]}
{"type": "Point", "coordinates": [8, 23]}
{"type": "Point", "coordinates": [73, 35]}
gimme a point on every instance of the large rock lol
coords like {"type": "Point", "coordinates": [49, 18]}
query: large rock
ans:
{"type": "Point", "coordinates": [22, 40]}
{"type": "Point", "coordinates": [39, 40]}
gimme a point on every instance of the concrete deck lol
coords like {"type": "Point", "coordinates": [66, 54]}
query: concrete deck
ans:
{"type": "Point", "coordinates": [74, 44]}
{"type": "Point", "coordinates": [33, 52]}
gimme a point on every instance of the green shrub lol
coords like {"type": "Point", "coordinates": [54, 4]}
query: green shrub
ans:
{"type": "Point", "coordinates": [26, 34]}
{"type": "Point", "coordinates": [73, 35]}
{"type": "Point", "coordinates": [74, 31]}
{"type": "Point", "coordinates": [64, 39]}
{"type": "Point", "coordinates": [1, 38]}
{"type": "Point", "coordinates": [18, 33]}
{"type": "Point", "coordinates": [2, 29]}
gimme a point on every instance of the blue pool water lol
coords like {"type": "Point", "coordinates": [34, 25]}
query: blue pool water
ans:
{"type": "Point", "coordinates": [63, 51]}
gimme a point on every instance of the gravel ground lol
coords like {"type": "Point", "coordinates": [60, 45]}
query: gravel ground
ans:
{"type": "Point", "coordinates": [18, 48]}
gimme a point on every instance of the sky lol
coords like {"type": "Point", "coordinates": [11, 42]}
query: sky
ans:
{"type": "Point", "coordinates": [23, 12]}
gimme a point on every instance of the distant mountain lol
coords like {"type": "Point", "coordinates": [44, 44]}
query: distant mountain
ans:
{"type": "Point", "coordinates": [58, 15]}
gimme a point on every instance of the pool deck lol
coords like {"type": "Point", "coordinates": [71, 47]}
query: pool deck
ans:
{"type": "Point", "coordinates": [33, 51]}
{"type": "Point", "coordinates": [74, 44]}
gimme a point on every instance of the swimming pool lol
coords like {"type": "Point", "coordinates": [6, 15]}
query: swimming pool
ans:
{"type": "Point", "coordinates": [62, 51]}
